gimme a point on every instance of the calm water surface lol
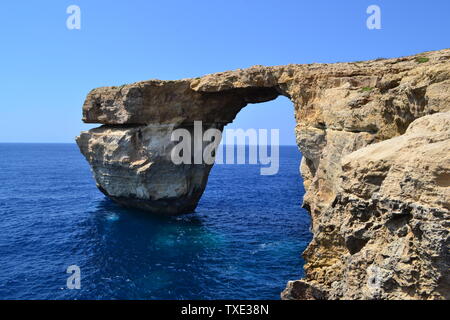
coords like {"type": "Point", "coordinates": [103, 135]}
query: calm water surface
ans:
{"type": "Point", "coordinates": [244, 241]}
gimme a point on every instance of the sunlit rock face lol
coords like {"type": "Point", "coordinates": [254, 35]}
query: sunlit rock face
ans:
{"type": "Point", "coordinates": [375, 165]}
{"type": "Point", "coordinates": [386, 234]}
{"type": "Point", "coordinates": [131, 153]}
{"type": "Point", "coordinates": [133, 167]}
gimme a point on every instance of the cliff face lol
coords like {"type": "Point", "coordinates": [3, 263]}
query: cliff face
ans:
{"type": "Point", "coordinates": [386, 233]}
{"type": "Point", "coordinates": [376, 166]}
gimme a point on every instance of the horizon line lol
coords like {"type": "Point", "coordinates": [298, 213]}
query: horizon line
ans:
{"type": "Point", "coordinates": [236, 145]}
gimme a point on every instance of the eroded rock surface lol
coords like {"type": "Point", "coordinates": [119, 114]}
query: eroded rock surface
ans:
{"type": "Point", "coordinates": [386, 234]}
{"type": "Point", "coordinates": [377, 179]}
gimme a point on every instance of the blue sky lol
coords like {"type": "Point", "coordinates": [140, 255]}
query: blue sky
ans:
{"type": "Point", "coordinates": [47, 70]}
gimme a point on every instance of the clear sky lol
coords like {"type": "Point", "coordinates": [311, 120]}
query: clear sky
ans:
{"type": "Point", "coordinates": [46, 70]}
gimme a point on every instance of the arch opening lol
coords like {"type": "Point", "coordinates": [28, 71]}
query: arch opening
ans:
{"type": "Point", "coordinates": [261, 217]}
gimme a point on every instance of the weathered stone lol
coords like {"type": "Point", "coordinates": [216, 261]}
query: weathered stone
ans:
{"type": "Point", "coordinates": [132, 165]}
{"type": "Point", "coordinates": [379, 212]}
{"type": "Point", "coordinates": [386, 234]}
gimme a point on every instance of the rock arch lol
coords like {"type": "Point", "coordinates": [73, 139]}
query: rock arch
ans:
{"type": "Point", "coordinates": [340, 110]}
{"type": "Point", "coordinates": [133, 146]}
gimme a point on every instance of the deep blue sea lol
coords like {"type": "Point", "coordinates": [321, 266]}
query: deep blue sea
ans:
{"type": "Point", "coordinates": [243, 242]}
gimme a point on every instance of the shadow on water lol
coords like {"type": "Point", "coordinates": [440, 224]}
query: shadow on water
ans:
{"type": "Point", "coordinates": [149, 254]}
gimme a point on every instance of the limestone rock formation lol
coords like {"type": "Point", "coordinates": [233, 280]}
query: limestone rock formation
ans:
{"type": "Point", "coordinates": [375, 141]}
{"type": "Point", "coordinates": [386, 234]}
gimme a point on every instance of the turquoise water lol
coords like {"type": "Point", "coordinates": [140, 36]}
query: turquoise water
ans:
{"type": "Point", "coordinates": [243, 242]}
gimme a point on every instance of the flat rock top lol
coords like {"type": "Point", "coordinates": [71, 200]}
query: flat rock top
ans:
{"type": "Point", "coordinates": [266, 76]}
{"type": "Point", "coordinates": [158, 101]}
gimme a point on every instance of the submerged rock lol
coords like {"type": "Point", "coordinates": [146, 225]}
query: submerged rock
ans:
{"type": "Point", "coordinates": [375, 142]}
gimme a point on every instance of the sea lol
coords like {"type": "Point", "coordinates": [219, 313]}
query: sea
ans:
{"type": "Point", "coordinates": [243, 242]}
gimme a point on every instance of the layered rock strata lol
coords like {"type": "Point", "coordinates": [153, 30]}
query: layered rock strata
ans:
{"type": "Point", "coordinates": [375, 142]}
